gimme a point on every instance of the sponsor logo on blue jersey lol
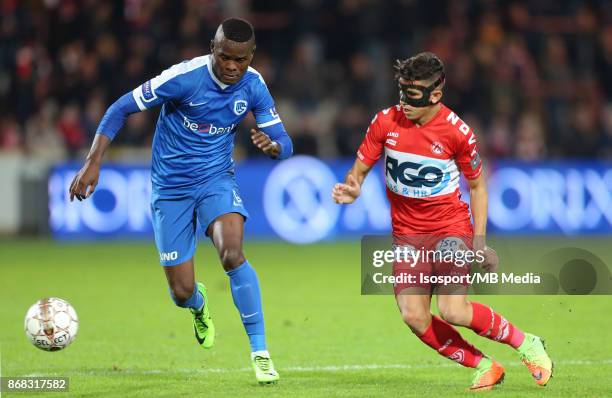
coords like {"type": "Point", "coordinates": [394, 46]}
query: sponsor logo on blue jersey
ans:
{"type": "Point", "coordinates": [206, 128]}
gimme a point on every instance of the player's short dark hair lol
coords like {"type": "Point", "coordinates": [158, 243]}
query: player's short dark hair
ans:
{"type": "Point", "coordinates": [238, 30]}
{"type": "Point", "coordinates": [423, 66]}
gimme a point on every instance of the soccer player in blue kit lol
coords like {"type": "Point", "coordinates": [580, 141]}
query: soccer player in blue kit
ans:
{"type": "Point", "coordinates": [204, 99]}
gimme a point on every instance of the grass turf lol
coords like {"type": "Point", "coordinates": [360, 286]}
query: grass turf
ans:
{"type": "Point", "coordinates": [326, 339]}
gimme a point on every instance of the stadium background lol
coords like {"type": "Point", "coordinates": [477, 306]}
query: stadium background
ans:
{"type": "Point", "coordinates": [531, 78]}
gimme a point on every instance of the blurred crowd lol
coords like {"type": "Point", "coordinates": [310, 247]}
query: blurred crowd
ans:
{"type": "Point", "coordinates": [533, 79]}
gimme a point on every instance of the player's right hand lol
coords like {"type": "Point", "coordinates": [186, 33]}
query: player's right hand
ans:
{"type": "Point", "coordinates": [345, 193]}
{"type": "Point", "coordinates": [84, 183]}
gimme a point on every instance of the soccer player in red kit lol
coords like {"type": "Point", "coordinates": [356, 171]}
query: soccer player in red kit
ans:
{"type": "Point", "coordinates": [426, 146]}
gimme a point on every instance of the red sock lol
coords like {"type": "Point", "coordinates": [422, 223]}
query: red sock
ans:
{"type": "Point", "coordinates": [490, 324]}
{"type": "Point", "coordinates": [445, 339]}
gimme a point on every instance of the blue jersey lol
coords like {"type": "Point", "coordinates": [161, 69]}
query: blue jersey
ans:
{"type": "Point", "coordinates": [194, 136]}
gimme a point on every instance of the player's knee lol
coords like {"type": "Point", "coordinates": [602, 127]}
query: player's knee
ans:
{"type": "Point", "coordinates": [181, 292]}
{"type": "Point", "coordinates": [231, 258]}
{"type": "Point", "coordinates": [418, 321]}
{"type": "Point", "coordinates": [455, 314]}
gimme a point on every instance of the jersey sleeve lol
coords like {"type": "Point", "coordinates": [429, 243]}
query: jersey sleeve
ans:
{"type": "Point", "coordinates": [173, 84]}
{"type": "Point", "coordinates": [371, 147]}
{"type": "Point", "coordinates": [467, 157]}
{"type": "Point", "coordinates": [116, 114]}
{"type": "Point", "coordinates": [263, 105]}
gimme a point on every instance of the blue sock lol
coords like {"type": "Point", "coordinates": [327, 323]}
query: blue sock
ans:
{"type": "Point", "coordinates": [196, 301]}
{"type": "Point", "coordinates": [247, 298]}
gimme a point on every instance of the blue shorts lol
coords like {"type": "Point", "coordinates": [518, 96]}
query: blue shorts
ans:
{"type": "Point", "coordinates": [175, 216]}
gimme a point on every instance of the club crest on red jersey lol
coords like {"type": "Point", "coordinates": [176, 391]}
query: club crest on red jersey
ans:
{"type": "Point", "coordinates": [437, 148]}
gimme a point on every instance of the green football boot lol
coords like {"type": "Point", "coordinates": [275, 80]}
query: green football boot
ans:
{"type": "Point", "coordinates": [203, 325]}
{"type": "Point", "coordinates": [488, 375]}
{"type": "Point", "coordinates": [264, 368]}
{"type": "Point", "coordinates": [534, 356]}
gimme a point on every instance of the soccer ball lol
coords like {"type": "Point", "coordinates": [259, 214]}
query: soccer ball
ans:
{"type": "Point", "coordinates": [51, 324]}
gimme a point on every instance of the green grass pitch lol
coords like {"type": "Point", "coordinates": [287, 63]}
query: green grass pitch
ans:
{"type": "Point", "coordinates": [326, 339]}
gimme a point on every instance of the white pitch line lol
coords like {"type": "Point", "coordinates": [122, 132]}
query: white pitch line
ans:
{"type": "Point", "coordinates": [298, 369]}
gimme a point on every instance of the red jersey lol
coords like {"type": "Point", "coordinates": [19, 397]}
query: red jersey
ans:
{"type": "Point", "coordinates": [422, 166]}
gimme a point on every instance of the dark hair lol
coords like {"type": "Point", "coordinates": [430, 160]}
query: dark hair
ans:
{"type": "Point", "coordinates": [423, 66]}
{"type": "Point", "coordinates": [238, 30]}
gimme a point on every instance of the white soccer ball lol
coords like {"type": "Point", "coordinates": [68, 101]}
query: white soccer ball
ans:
{"type": "Point", "coordinates": [51, 324]}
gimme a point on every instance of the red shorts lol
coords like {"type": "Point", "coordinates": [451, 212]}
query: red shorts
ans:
{"type": "Point", "coordinates": [433, 261]}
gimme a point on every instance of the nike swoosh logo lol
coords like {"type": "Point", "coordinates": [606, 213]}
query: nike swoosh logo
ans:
{"type": "Point", "coordinates": [197, 336]}
{"type": "Point", "coordinates": [201, 103]}
{"type": "Point", "coordinates": [250, 315]}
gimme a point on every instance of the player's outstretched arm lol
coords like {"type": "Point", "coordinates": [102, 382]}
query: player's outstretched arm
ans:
{"type": "Point", "coordinates": [479, 207]}
{"type": "Point", "coordinates": [349, 191]}
{"type": "Point", "coordinates": [85, 181]}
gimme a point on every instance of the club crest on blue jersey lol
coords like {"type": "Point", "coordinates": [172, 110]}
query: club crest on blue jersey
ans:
{"type": "Point", "coordinates": [240, 106]}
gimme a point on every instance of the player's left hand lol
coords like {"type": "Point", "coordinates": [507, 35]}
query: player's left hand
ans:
{"type": "Point", "coordinates": [491, 260]}
{"type": "Point", "coordinates": [264, 143]}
